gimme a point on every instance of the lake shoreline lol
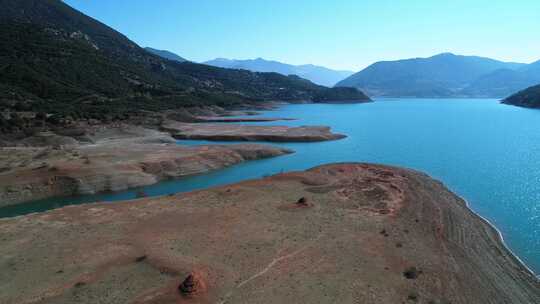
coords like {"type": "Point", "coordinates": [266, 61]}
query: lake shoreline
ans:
{"type": "Point", "coordinates": [500, 236]}
{"type": "Point", "coordinates": [51, 164]}
{"type": "Point", "coordinates": [372, 150]}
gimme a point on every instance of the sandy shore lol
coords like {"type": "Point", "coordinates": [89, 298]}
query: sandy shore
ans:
{"type": "Point", "coordinates": [211, 119]}
{"type": "Point", "coordinates": [237, 132]}
{"type": "Point", "coordinates": [345, 233]}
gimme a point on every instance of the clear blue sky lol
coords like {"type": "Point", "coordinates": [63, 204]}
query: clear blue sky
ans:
{"type": "Point", "coordinates": [346, 34]}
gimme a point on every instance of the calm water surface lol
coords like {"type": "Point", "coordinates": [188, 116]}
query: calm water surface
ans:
{"type": "Point", "coordinates": [484, 151]}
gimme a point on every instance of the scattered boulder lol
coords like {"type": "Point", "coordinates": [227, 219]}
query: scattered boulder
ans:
{"type": "Point", "coordinates": [140, 258]}
{"type": "Point", "coordinates": [303, 202]}
{"type": "Point", "coordinates": [188, 286]}
{"type": "Point", "coordinates": [192, 285]}
{"type": "Point", "coordinates": [413, 296]}
{"type": "Point", "coordinates": [411, 273]}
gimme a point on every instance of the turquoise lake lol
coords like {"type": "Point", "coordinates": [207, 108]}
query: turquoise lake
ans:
{"type": "Point", "coordinates": [486, 152]}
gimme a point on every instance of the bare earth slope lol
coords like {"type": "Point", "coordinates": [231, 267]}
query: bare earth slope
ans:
{"type": "Point", "coordinates": [30, 173]}
{"type": "Point", "coordinates": [344, 233]}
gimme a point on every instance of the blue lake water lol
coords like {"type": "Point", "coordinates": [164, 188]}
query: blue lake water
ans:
{"type": "Point", "coordinates": [486, 152]}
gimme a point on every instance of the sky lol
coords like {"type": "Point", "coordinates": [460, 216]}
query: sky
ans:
{"type": "Point", "coordinates": [339, 34]}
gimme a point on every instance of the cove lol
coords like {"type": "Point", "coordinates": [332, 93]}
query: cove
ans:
{"type": "Point", "coordinates": [486, 152]}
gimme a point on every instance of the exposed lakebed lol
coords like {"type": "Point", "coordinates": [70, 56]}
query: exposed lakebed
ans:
{"type": "Point", "coordinates": [484, 151]}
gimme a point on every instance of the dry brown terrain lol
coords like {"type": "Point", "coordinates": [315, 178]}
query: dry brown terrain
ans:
{"type": "Point", "coordinates": [235, 132]}
{"type": "Point", "coordinates": [91, 157]}
{"type": "Point", "coordinates": [210, 119]}
{"type": "Point", "coordinates": [116, 159]}
{"type": "Point", "coordinates": [344, 233]}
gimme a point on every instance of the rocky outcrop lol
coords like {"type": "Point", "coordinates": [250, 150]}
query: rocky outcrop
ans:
{"type": "Point", "coordinates": [234, 132]}
{"type": "Point", "coordinates": [193, 285]}
{"type": "Point", "coordinates": [372, 234]}
{"type": "Point", "coordinates": [113, 165]}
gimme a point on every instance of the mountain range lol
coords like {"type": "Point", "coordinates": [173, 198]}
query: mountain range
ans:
{"type": "Point", "coordinates": [316, 74]}
{"type": "Point", "coordinates": [165, 54]}
{"type": "Point", "coordinates": [54, 59]}
{"type": "Point", "coordinates": [444, 75]}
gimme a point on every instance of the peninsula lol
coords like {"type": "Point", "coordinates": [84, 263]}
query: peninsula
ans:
{"type": "Point", "coordinates": [342, 233]}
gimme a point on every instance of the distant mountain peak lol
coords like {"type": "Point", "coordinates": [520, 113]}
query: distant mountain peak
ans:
{"type": "Point", "coordinates": [445, 54]}
{"type": "Point", "coordinates": [165, 54]}
{"type": "Point", "coordinates": [316, 74]}
{"type": "Point", "coordinates": [442, 75]}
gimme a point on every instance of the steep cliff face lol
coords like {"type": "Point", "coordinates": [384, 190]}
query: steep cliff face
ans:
{"type": "Point", "coordinates": [343, 233]}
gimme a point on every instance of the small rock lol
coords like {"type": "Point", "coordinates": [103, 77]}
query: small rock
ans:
{"type": "Point", "coordinates": [411, 273]}
{"type": "Point", "coordinates": [141, 194]}
{"type": "Point", "coordinates": [413, 296]}
{"type": "Point", "coordinates": [302, 201]}
{"type": "Point", "coordinates": [188, 286]}
{"type": "Point", "coordinates": [192, 285]}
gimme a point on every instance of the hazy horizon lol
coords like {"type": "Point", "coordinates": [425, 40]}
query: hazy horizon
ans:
{"type": "Point", "coordinates": [343, 36]}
